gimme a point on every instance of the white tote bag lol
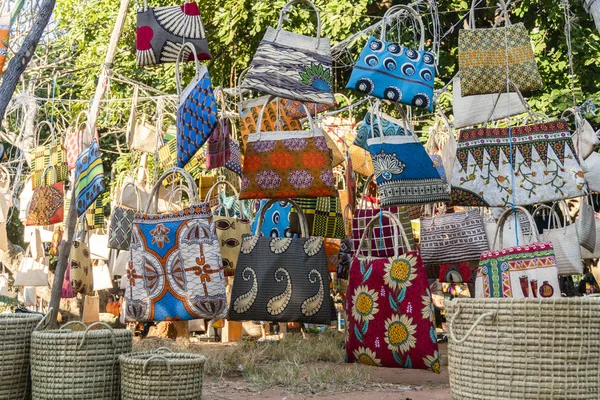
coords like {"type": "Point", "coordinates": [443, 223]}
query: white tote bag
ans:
{"type": "Point", "coordinates": [3, 283]}
{"type": "Point", "coordinates": [102, 277]}
{"type": "Point", "coordinates": [120, 264]}
{"type": "Point", "coordinates": [521, 231]}
{"type": "Point", "coordinates": [584, 138]}
{"type": "Point", "coordinates": [32, 272]}
{"type": "Point", "coordinates": [591, 171]}
{"type": "Point", "coordinates": [473, 110]}
{"type": "Point", "coordinates": [28, 296]}
{"type": "Point", "coordinates": [586, 254]}
{"type": "Point", "coordinates": [98, 244]}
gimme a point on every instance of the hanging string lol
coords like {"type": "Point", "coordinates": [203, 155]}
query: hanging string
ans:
{"type": "Point", "coordinates": [567, 12]}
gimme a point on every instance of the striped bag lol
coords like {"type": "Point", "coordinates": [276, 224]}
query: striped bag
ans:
{"type": "Point", "coordinates": [89, 177]}
{"type": "Point", "coordinates": [323, 215]}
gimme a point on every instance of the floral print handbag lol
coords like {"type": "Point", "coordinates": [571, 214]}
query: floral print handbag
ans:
{"type": "Point", "coordinates": [389, 310]}
{"type": "Point", "coordinates": [288, 164]}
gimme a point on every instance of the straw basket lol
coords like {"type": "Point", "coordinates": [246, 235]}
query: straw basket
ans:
{"type": "Point", "coordinates": [77, 365]}
{"type": "Point", "coordinates": [524, 349]}
{"type": "Point", "coordinates": [164, 376]}
{"type": "Point", "coordinates": [15, 335]}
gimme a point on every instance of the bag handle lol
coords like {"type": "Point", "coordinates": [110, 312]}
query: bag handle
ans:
{"type": "Point", "coordinates": [397, 229]}
{"type": "Point", "coordinates": [286, 9]}
{"type": "Point", "coordinates": [137, 195]}
{"type": "Point", "coordinates": [504, 217]}
{"type": "Point", "coordinates": [4, 178]}
{"type": "Point", "coordinates": [511, 83]}
{"type": "Point", "coordinates": [180, 189]}
{"type": "Point", "coordinates": [301, 217]}
{"type": "Point", "coordinates": [271, 98]}
{"type": "Point", "coordinates": [38, 131]}
{"type": "Point", "coordinates": [191, 184]}
{"type": "Point", "coordinates": [395, 11]}
{"type": "Point", "coordinates": [225, 183]}
{"type": "Point", "coordinates": [48, 168]}
{"type": "Point", "coordinates": [180, 59]}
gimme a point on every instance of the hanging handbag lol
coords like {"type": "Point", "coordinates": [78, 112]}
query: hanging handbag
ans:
{"type": "Point", "coordinates": [197, 113]}
{"type": "Point", "coordinates": [98, 243]}
{"type": "Point", "coordinates": [390, 126]}
{"type": "Point", "coordinates": [595, 253]}
{"type": "Point", "coordinates": [89, 177]}
{"type": "Point", "coordinates": [525, 271]}
{"type": "Point", "coordinates": [175, 270]}
{"type": "Point", "coordinates": [163, 31]}
{"type": "Point", "coordinates": [46, 206]}
{"type": "Point", "coordinates": [94, 215]}
{"type": "Point", "coordinates": [393, 72]}
{"type": "Point", "coordinates": [31, 271]}
{"type": "Point", "coordinates": [452, 238]}
{"type": "Point", "coordinates": [28, 296]}
{"type": "Point", "coordinates": [287, 164]}
{"type": "Point", "coordinates": [586, 226]}
{"type": "Point", "coordinates": [230, 231]}
{"type": "Point", "coordinates": [323, 216]}
{"type": "Point", "coordinates": [121, 222]}
{"type": "Point", "coordinates": [141, 135]}
{"type": "Point", "coordinates": [217, 148]}
{"type": "Point", "coordinates": [389, 309]}
{"type": "Point", "coordinates": [282, 279]}
{"type": "Point", "coordinates": [276, 220]}
{"type": "Point", "coordinates": [516, 230]}
{"type": "Point", "coordinates": [489, 58]}
{"type": "Point", "coordinates": [4, 36]}
{"type": "Point", "coordinates": [584, 137]}
{"type": "Point", "coordinates": [234, 163]}
{"type": "Point", "coordinates": [67, 291]}
{"type": "Point", "coordinates": [74, 138]}
{"type": "Point", "coordinates": [293, 66]}
{"type": "Point", "coordinates": [50, 153]}
{"type": "Point", "coordinates": [102, 277]}
{"type": "Point", "coordinates": [80, 262]}
{"type": "Point", "coordinates": [91, 309]}
{"type": "Point", "coordinates": [167, 157]}
{"type": "Point", "coordinates": [6, 193]}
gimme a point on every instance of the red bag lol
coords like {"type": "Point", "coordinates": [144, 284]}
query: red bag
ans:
{"type": "Point", "coordinates": [458, 272]}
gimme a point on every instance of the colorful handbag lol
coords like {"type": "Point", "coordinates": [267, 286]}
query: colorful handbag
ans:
{"type": "Point", "coordinates": [457, 273]}
{"type": "Point", "coordinates": [74, 139]}
{"type": "Point", "coordinates": [51, 153]}
{"type": "Point", "coordinates": [393, 72]}
{"type": "Point", "coordinates": [323, 216]}
{"type": "Point", "coordinates": [525, 271]}
{"type": "Point", "coordinates": [483, 55]}
{"type": "Point", "coordinates": [452, 238]}
{"type": "Point", "coordinates": [295, 109]}
{"type": "Point", "coordinates": [175, 270]}
{"type": "Point", "coordinates": [80, 263]}
{"type": "Point", "coordinates": [282, 279]}
{"type": "Point", "coordinates": [287, 164]}
{"type": "Point", "coordinates": [46, 206]}
{"type": "Point", "coordinates": [197, 114]}
{"type": "Point", "coordinates": [230, 231]}
{"type": "Point", "coordinates": [332, 251]}
{"type": "Point", "coordinates": [291, 65]}
{"type": "Point", "coordinates": [276, 219]}
{"type": "Point", "coordinates": [234, 164]}
{"type": "Point", "coordinates": [94, 215]}
{"type": "Point", "coordinates": [162, 31]}
{"type": "Point", "coordinates": [389, 309]}
{"type": "Point", "coordinates": [217, 148]}
{"type": "Point", "coordinates": [167, 157]}
{"type": "Point", "coordinates": [121, 223]}
{"type": "Point", "coordinates": [4, 35]}
{"type": "Point", "coordinates": [89, 177]}
{"type": "Point", "coordinates": [374, 119]}
{"type": "Point", "coordinates": [544, 166]}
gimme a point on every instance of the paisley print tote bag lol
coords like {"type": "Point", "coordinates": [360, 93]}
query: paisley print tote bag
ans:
{"type": "Point", "coordinates": [162, 30]}
{"type": "Point", "coordinates": [282, 279]}
{"type": "Point", "coordinates": [280, 165]}
{"type": "Point", "coordinates": [89, 177]}
{"type": "Point", "coordinates": [389, 309]}
{"type": "Point", "coordinates": [483, 54]}
{"type": "Point", "coordinates": [293, 66]}
{"type": "Point", "coordinates": [393, 72]}
{"type": "Point", "coordinates": [197, 114]}
{"type": "Point", "coordinates": [46, 206]}
{"type": "Point", "coordinates": [175, 270]}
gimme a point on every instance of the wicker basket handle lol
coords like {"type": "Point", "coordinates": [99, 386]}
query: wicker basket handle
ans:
{"type": "Point", "coordinates": [156, 358]}
{"type": "Point", "coordinates": [73, 323]}
{"type": "Point", "coordinates": [45, 320]}
{"type": "Point", "coordinates": [164, 348]}
{"type": "Point", "coordinates": [472, 328]}
{"type": "Point", "coordinates": [112, 331]}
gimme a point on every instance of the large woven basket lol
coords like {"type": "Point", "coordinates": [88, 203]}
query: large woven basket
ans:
{"type": "Point", "coordinates": [524, 349]}
{"type": "Point", "coordinates": [164, 376]}
{"type": "Point", "coordinates": [15, 337]}
{"type": "Point", "coordinates": [78, 365]}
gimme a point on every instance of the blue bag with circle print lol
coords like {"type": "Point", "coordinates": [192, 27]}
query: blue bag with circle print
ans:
{"type": "Point", "coordinates": [393, 72]}
{"type": "Point", "coordinates": [374, 120]}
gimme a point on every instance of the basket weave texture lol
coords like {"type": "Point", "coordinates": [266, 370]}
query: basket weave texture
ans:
{"type": "Point", "coordinates": [524, 349]}
{"type": "Point", "coordinates": [164, 376]}
{"type": "Point", "coordinates": [78, 365]}
{"type": "Point", "coordinates": [15, 336]}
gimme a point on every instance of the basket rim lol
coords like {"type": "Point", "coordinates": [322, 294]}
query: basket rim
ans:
{"type": "Point", "coordinates": [140, 358]}
{"type": "Point", "coordinates": [5, 318]}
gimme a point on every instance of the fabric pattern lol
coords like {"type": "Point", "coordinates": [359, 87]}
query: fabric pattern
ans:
{"type": "Point", "coordinates": [344, 259]}
{"type": "Point", "coordinates": [438, 164]}
{"type": "Point", "coordinates": [390, 314]}
{"type": "Point", "coordinates": [332, 251]}
{"type": "Point", "coordinates": [482, 60]}
{"type": "Point", "coordinates": [80, 265]}
{"type": "Point", "coordinates": [234, 163]}
{"type": "Point", "coordinates": [46, 206]}
{"type": "Point", "coordinates": [396, 73]}
{"type": "Point", "coordinates": [162, 30]}
{"type": "Point", "coordinates": [167, 156]}
{"type": "Point", "coordinates": [527, 271]}
{"type": "Point", "coordinates": [72, 146]}
{"type": "Point", "coordinates": [295, 108]}
{"type": "Point", "coordinates": [4, 36]}
{"type": "Point", "coordinates": [45, 156]}
{"type": "Point", "coordinates": [275, 118]}
{"type": "Point", "coordinates": [292, 66]}
{"type": "Point", "coordinates": [458, 272]}
{"type": "Point", "coordinates": [217, 148]}
{"type": "Point", "coordinates": [121, 224]}
{"type": "Point", "coordinates": [276, 221]}
{"type": "Point", "coordinates": [230, 232]}
{"type": "Point", "coordinates": [287, 168]}
{"type": "Point", "coordinates": [67, 291]}
{"type": "Point", "coordinates": [545, 166]}
{"type": "Point", "coordinates": [390, 126]}
{"type": "Point", "coordinates": [197, 117]}
{"type": "Point", "coordinates": [404, 172]}
{"type": "Point", "coordinates": [175, 270]}
{"type": "Point", "coordinates": [282, 280]}
{"type": "Point", "coordinates": [453, 238]}
{"type": "Point", "coordinates": [323, 215]}
{"type": "Point", "coordinates": [89, 177]}
{"type": "Point", "coordinates": [382, 243]}
{"type": "Point", "coordinates": [94, 215]}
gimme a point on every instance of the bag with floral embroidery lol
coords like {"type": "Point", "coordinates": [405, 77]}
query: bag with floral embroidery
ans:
{"type": "Point", "coordinates": [389, 309]}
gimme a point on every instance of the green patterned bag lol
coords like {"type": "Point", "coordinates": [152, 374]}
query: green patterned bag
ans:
{"type": "Point", "coordinates": [324, 217]}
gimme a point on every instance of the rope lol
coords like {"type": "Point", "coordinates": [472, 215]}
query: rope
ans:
{"type": "Point", "coordinates": [471, 329]}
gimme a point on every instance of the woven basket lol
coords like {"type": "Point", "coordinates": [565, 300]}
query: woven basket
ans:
{"type": "Point", "coordinates": [78, 365]}
{"type": "Point", "coordinates": [164, 376]}
{"type": "Point", "coordinates": [15, 336]}
{"type": "Point", "coordinates": [524, 349]}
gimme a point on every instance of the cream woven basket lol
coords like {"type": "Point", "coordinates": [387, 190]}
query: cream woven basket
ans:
{"type": "Point", "coordinates": [524, 349]}
{"type": "Point", "coordinates": [15, 336]}
{"type": "Point", "coordinates": [74, 365]}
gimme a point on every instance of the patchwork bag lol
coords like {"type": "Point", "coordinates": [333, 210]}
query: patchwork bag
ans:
{"type": "Point", "coordinates": [50, 153]}
{"type": "Point", "coordinates": [162, 31]}
{"type": "Point", "coordinates": [46, 206]}
{"type": "Point", "coordinates": [539, 165]}
{"type": "Point", "coordinates": [276, 219]}
{"type": "Point", "coordinates": [175, 270]}
{"type": "Point", "coordinates": [282, 279]}
{"type": "Point", "coordinates": [291, 65]}
{"type": "Point", "coordinates": [483, 56]}
{"type": "Point", "coordinates": [393, 72]}
{"type": "Point", "coordinates": [121, 222]}
{"type": "Point", "coordinates": [89, 177]}
{"type": "Point", "coordinates": [80, 263]}
{"type": "Point", "coordinates": [287, 164]}
{"type": "Point", "coordinates": [375, 119]}
{"type": "Point", "coordinates": [217, 148]}
{"type": "Point", "coordinates": [525, 271]}
{"type": "Point", "coordinates": [323, 216]}
{"type": "Point", "coordinates": [452, 238]}
{"type": "Point", "coordinates": [389, 309]}
{"type": "Point", "coordinates": [197, 113]}
{"type": "Point", "coordinates": [230, 231]}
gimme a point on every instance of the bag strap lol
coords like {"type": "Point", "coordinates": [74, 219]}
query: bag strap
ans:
{"type": "Point", "coordinates": [48, 168]}
{"type": "Point", "coordinates": [191, 184]}
{"type": "Point", "coordinates": [504, 217]}
{"type": "Point", "coordinates": [304, 232]}
{"type": "Point", "coordinates": [286, 9]}
{"type": "Point", "coordinates": [137, 195]}
{"type": "Point", "coordinates": [398, 231]}
{"type": "Point", "coordinates": [394, 12]}
{"type": "Point", "coordinates": [269, 99]}
{"type": "Point", "coordinates": [511, 83]}
{"type": "Point", "coordinates": [179, 60]}
{"type": "Point", "coordinates": [237, 196]}
{"type": "Point", "coordinates": [38, 131]}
